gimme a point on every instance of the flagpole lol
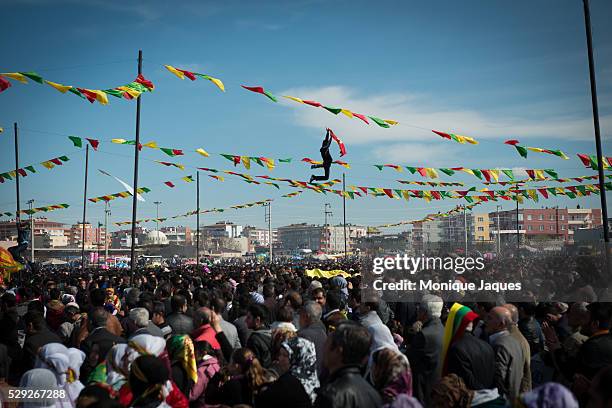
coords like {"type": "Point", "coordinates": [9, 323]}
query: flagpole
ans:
{"type": "Point", "coordinates": [135, 195]}
{"type": "Point", "coordinates": [600, 158]}
{"type": "Point", "coordinates": [198, 221]}
{"type": "Point", "coordinates": [344, 212]}
{"type": "Point", "coordinates": [17, 216]}
{"type": "Point", "coordinates": [84, 209]}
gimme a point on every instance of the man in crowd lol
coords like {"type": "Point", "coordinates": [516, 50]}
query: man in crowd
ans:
{"type": "Point", "coordinates": [312, 328]}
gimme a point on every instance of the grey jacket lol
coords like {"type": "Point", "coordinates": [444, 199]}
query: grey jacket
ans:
{"type": "Point", "coordinates": [180, 323]}
{"type": "Point", "coordinates": [231, 333]}
{"type": "Point", "coordinates": [509, 364]}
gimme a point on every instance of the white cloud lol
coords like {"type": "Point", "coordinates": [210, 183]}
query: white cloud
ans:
{"type": "Point", "coordinates": [417, 115]}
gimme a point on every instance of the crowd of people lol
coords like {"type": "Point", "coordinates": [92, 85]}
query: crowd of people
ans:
{"type": "Point", "coordinates": [256, 335]}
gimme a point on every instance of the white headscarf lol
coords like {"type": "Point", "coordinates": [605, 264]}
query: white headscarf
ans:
{"type": "Point", "coordinates": [144, 344]}
{"type": "Point", "coordinates": [40, 379]}
{"type": "Point", "coordinates": [65, 364]}
{"type": "Point", "coordinates": [116, 367]}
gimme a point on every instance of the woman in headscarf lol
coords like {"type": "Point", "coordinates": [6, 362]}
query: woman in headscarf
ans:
{"type": "Point", "coordinates": [117, 370]}
{"type": "Point", "coordinates": [147, 345]}
{"type": "Point", "coordinates": [549, 395]}
{"type": "Point", "coordinates": [238, 382]}
{"type": "Point", "coordinates": [297, 385]}
{"type": "Point", "coordinates": [183, 363]}
{"type": "Point", "coordinates": [391, 374]}
{"type": "Point", "coordinates": [40, 379]}
{"type": "Point", "coordinates": [208, 366]}
{"type": "Point", "coordinates": [451, 391]}
{"type": "Point", "coordinates": [65, 364]}
{"type": "Point", "coordinates": [148, 381]}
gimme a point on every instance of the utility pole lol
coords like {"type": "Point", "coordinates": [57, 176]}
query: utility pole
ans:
{"type": "Point", "coordinates": [84, 209]}
{"type": "Point", "coordinates": [465, 230]}
{"type": "Point", "coordinates": [327, 212]}
{"type": "Point", "coordinates": [98, 246]}
{"type": "Point", "coordinates": [344, 212]}
{"type": "Point", "coordinates": [30, 202]}
{"type": "Point", "coordinates": [18, 213]}
{"type": "Point", "coordinates": [268, 219]}
{"type": "Point", "coordinates": [498, 232]}
{"type": "Point", "coordinates": [198, 220]}
{"type": "Point", "coordinates": [518, 233]}
{"type": "Point", "coordinates": [157, 203]}
{"type": "Point", "coordinates": [135, 187]}
{"type": "Point", "coordinates": [107, 212]}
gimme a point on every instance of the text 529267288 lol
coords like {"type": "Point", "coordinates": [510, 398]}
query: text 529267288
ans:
{"type": "Point", "coordinates": [34, 394]}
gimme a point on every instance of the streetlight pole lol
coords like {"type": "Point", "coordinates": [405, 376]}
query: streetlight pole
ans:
{"type": "Point", "coordinates": [157, 203]}
{"type": "Point", "coordinates": [498, 232]}
{"type": "Point", "coordinates": [465, 230]}
{"type": "Point", "coordinates": [268, 218]}
{"type": "Point", "coordinates": [30, 202]}
{"type": "Point", "coordinates": [106, 214]}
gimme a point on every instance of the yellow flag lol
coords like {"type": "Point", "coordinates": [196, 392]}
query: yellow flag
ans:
{"type": "Point", "coordinates": [180, 166]}
{"type": "Point", "coordinates": [218, 83]}
{"type": "Point", "coordinates": [539, 175]}
{"type": "Point", "coordinates": [100, 96]}
{"type": "Point", "coordinates": [293, 98]}
{"type": "Point", "coordinates": [391, 122]}
{"type": "Point", "coordinates": [560, 190]}
{"type": "Point", "coordinates": [532, 194]}
{"type": "Point", "coordinates": [17, 77]}
{"type": "Point", "coordinates": [494, 174]}
{"type": "Point", "coordinates": [431, 173]}
{"type": "Point", "coordinates": [535, 149]}
{"type": "Point", "coordinates": [152, 145]}
{"type": "Point", "coordinates": [175, 71]}
{"type": "Point", "coordinates": [202, 152]}
{"type": "Point", "coordinates": [406, 195]}
{"type": "Point", "coordinates": [132, 92]}
{"type": "Point", "coordinates": [118, 141]}
{"type": "Point", "coordinates": [48, 165]}
{"type": "Point", "coordinates": [59, 87]}
{"type": "Point", "coordinates": [347, 112]}
{"type": "Point", "coordinates": [468, 171]}
{"type": "Point", "coordinates": [246, 161]}
{"type": "Point", "coordinates": [12, 173]}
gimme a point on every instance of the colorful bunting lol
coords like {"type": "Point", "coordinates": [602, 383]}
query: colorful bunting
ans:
{"type": "Point", "coordinates": [523, 150]}
{"type": "Point", "coordinates": [456, 138]}
{"type": "Point", "coordinates": [259, 89]}
{"type": "Point", "coordinates": [168, 164]}
{"type": "Point", "coordinates": [122, 194]}
{"type": "Point", "coordinates": [181, 73]}
{"type": "Point", "coordinates": [592, 162]}
{"type": "Point", "coordinates": [44, 209]}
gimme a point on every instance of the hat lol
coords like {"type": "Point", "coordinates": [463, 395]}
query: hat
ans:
{"type": "Point", "coordinates": [73, 304]}
{"type": "Point", "coordinates": [315, 284]}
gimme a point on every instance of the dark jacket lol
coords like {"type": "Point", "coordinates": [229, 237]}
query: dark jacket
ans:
{"type": "Point", "coordinates": [509, 362]}
{"type": "Point", "coordinates": [315, 333]}
{"type": "Point", "coordinates": [531, 330]}
{"type": "Point", "coordinates": [287, 391]}
{"type": "Point", "coordinates": [260, 342]}
{"type": "Point", "coordinates": [98, 343]}
{"type": "Point", "coordinates": [35, 341]}
{"type": "Point", "coordinates": [474, 361]}
{"type": "Point", "coordinates": [595, 354]}
{"type": "Point", "coordinates": [424, 358]}
{"type": "Point", "coordinates": [346, 388]}
{"type": "Point", "coordinates": [180, 323]}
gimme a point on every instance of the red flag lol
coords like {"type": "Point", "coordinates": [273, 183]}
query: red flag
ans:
{"type": "Point", "coordinates": [444, 135]}
{"type": "Point", "coordinates": [531, 174]}
{"type": "Point", "coordinates": [169, 183]}
{"type": "Point", "coordinates": [340, 143]}
{"type": "Point", "coordinates": [177, 152]}
{"type": "Point", "coordinates": [257, 89]}
{"type": "Point", "coordinates": [91, 97]}
{"type": "Point", "coordinates": [490, 193]}
{"type": "Point", "coordinates": [435, 194]}
{"type": "Point", "coordinates": [4, 84]}
{"type": "Point", "coordinates": [307, 160]}
{"type": "Point", "coordinates": [586, 160]}
{"type": "Point", "coordinates": [486, 174]}
{"type": "Point", "coordinates": [22, 172]}
{"type": "Point", "coordinates": [364, 189]}
{"type": "Point", "coordinates": [143, 81]}
{"type": "Point", "coordinates": [312, 103]}
{"type": "Point", "coordinates": [362, 117]}
{"type": "Point", "coordinates": [237, 160]}
{"type": "Point", "coordinates": [543, 192]}
{"type": "Point", "coordinates": [512, 142]}
{"type": "Point", "coordinates": [94, 143]}
{"type": "Point", "coordinates": [388, 192]}
{"type": "Point", "coordinates": [422, 171]}
{"type": "Point", "coordinates": [187, 74]}
{"type": "Point", "coordinates": [56, 161]}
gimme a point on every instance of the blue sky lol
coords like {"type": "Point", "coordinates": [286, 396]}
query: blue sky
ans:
{"type": "Point", "coordinates": [490, 70]}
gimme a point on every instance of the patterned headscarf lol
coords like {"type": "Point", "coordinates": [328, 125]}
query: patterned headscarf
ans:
{"type": "Point", "coordinates": [303, 363]}
{"type": "Point", "coordinates": [180, 348]}
{"type": "Point", "coordinates": [549, 395]}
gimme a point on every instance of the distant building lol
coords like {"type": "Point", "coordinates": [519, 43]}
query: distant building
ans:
{"type": "Point", "coordinates": [481, 224]}
{"type": "Point", "coordinates": [259, 237]}
{"type": "Point", "coordinates": [329, 238]}
{"type": "Point", "coordinates": [93, 235]}
{"type": "Point", "coordinates": [385, 243]}
{"type": "Point", "coordinates": [222, 229]}
{"type": "Point", "coordinates": [178, 235]}
{"type": "Point", "coordinates": [155, 238]}
{"type": "Point", "coordinates": [42, 226]}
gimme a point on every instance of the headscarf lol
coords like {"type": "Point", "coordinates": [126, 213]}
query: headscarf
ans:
{"type": "Point", "coordinates": [451, 391]}
{"type": "Point", "coordinates": [549, 395]}
{"type": "Point", "coordinates": [116, 369]}
{"type": "Point", "coordinates": [65, 364]}
{"type": "Point", "coordinates": [391, 374]}
{"type": "Point", "coordinates": [144, 344]}
{"type": "Point", "coordinates": [41, 379]}
{"type": "Point", "coordinates": [303, 363]}
{"type": "Point", "coordinates": [149, 381]}
{"type": "Point", "coordinates": [340, 283]}
{"type": "Point", "coordinates": [404, 401]}
{"type": "Point", "coordinates": [180, 349]}
{"type": "Point", "coordinates": [456, 322]}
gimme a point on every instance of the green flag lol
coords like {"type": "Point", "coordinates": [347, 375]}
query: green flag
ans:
{"type": "Point", "coordinates": [78, 142]}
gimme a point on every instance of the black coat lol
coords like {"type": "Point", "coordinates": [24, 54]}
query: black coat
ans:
{"type": "Point", "coordinates": [33, 343]}
{"type": "Point", "coordinates": [348, 389]}
{"type": "Point", "coordinates": [260, 342]}
{"type": "Point", "coordinates": [474, 361]}
{"type": "Point", "coordinates": [99, 342]}
{"type": "Point", "coordinates": [287, 391]}
{"type": "Point", "coordinates": [595, 354]}
{"type": "Point", "coordinates": [315, 333]}
{"type": "Point", "coordinates": [424, 358]}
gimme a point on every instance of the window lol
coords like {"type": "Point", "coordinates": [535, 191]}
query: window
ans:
{"type": "Point", "coordinates": [541, 217]}
{"type": "Point", "coordinates": [529, 218]}
{"type": "Point", "coordinates": [530, 228]}
{"type": "Point", "coordinates": [481, 229]}
{"type": "Point", "coordinates": [552, 227]}
{"type": "Point", "coordinates": [480, 219]}
{"type": "Point", "coordinates": [520, 217]}
{"type": "Point", "coordinates": [552, 217]}
{"type": "Point", "coordinates": [520, 227]}
{"type": "Point", "coordinates": [563, 228]}
{"type": "Point", "coordinates": [541, 228]}
{"type": "Point", "coordinates": [562, 217]}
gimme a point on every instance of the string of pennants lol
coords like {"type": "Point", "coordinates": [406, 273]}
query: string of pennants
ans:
{"type": "Point", "coordinates": [37, 210]}
{"type": "Point", "coordinates": [522, 150]}
{"type": "Point", "coordinates": [558, 180]}
{"type": "Point", "coordinates": [128, 91]}
{"type": "Point", "coordinates": [191, 213]}
{"type": "Point", "coordinates": [122, 194]}
{"type": "Point", "coordinates": [48, 164]}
